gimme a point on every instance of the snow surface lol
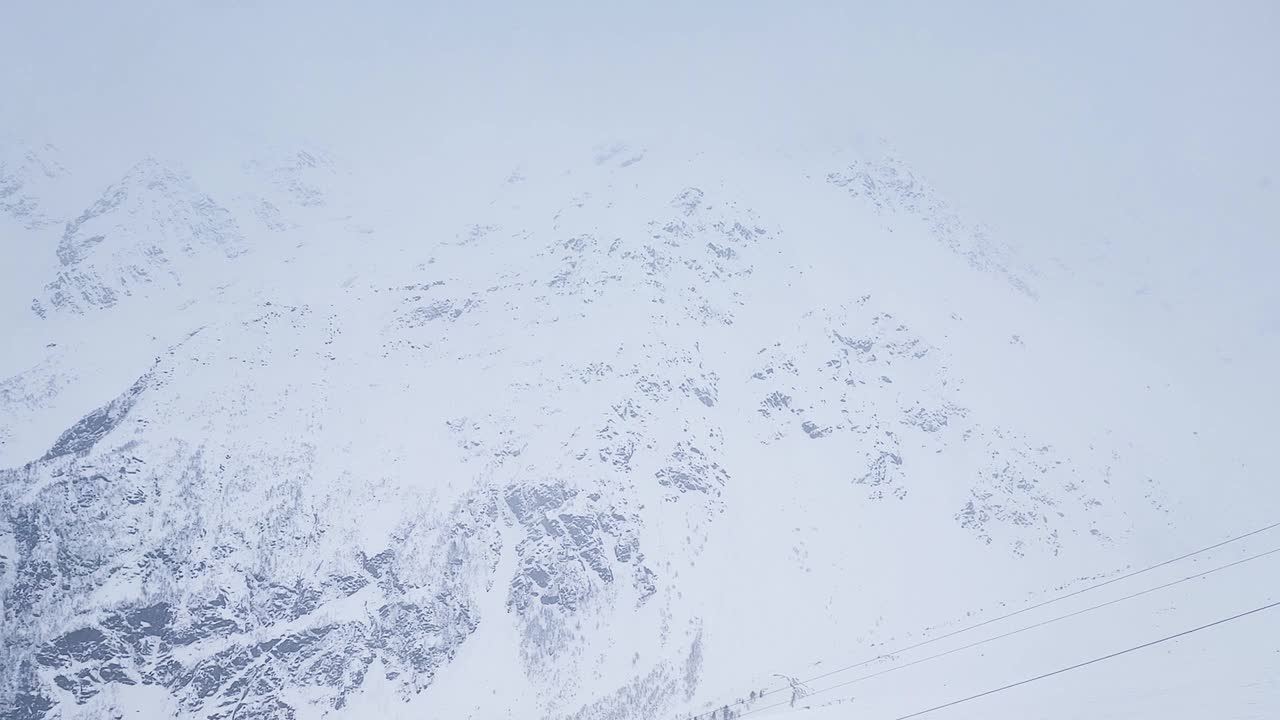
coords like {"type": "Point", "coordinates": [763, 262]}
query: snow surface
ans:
{"type": "Point", "coordinates": [488, 425]}
{"type": "Point", "coordinates": [637, 441]}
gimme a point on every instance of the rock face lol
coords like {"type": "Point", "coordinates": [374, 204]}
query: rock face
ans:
{"type": "Point", "coordinates": [890, 187]}
{"type": "Point", "coordinates": [27, 176]}
{"type": "Point", "coordinates": [518, 439]}
{"type": "Point", "coordinates": [152, 228]}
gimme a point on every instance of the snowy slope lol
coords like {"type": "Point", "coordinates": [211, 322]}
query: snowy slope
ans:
{"type": "Point", "coordinates": [659, 422]}
{"type": "Point", "coordinates": [28, 179]}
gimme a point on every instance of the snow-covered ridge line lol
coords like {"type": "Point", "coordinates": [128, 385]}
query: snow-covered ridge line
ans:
{"type": "Point", "coordinates": [570, 444]}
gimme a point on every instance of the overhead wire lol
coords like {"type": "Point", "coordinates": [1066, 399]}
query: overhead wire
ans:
{"type": "Point", "coordinates": [1086, 663]}
{"type": "Point", "coordinates": [1020, 630]}
{"type": "Point", "coordinates": [1006, 616]}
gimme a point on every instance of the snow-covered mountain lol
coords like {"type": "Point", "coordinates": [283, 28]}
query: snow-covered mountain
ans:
{"type": "Point", "coordinates": [149, 229]}
{"type": "Point", "coordinates": [657, 424]}
{"type": "Point", "coordinates": [27, 178]}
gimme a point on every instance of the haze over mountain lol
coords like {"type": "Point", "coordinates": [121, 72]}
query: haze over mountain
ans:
{"type": "Point", "coordinates": [573, 362]}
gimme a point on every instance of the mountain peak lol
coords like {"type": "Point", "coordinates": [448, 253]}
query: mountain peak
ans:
{"type": "Point", "coordinates": [153, 227]}
{"type": "Point", "coordinates": [28, 176]}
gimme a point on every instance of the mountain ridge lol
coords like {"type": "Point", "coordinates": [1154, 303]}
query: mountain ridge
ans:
{"type": "Point", "coordinates": [506, 443]}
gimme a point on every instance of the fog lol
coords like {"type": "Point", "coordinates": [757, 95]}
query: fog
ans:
{"type": "Point", "coordinates": [1127, 152]}
{"type": "Point", "coordinates": [1135, 139]}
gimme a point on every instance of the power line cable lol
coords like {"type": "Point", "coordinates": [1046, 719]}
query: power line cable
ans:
{"type": "Point", "coordinates": [1050, 601]}
{"type": "Point", "coordinates": [1006, 616]}
{"type": "Point", "coordinates": [1050, 621]}
{"type": "Point", "coordinates": [1086, 663]}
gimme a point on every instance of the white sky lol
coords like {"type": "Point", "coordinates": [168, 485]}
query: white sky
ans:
{"type": "Point", "coordinates": [1149, 125]}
